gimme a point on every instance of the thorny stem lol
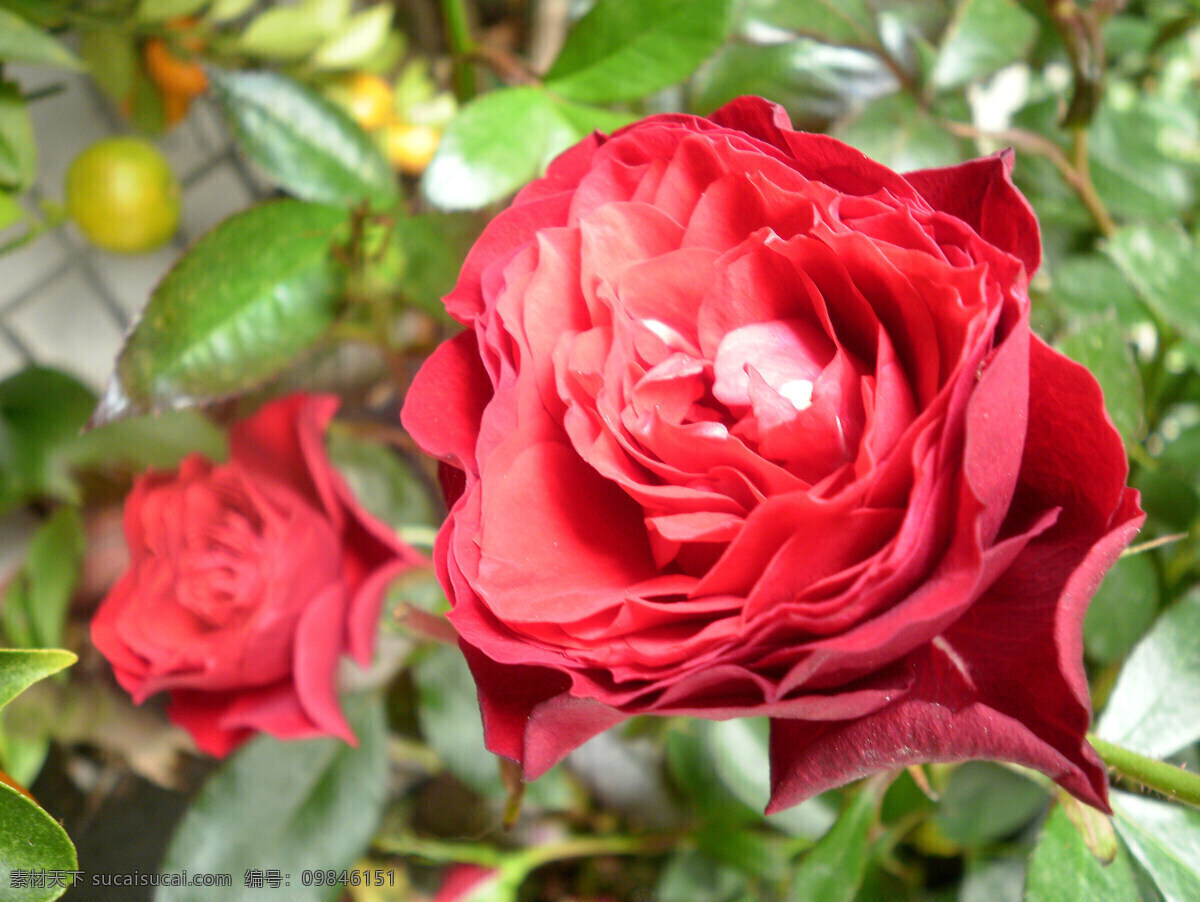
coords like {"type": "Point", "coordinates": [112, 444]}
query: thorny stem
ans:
{"type": "Point", "coordinates": [1075, 173]}
{"type": "Point", "coordinates": [1173, 782]}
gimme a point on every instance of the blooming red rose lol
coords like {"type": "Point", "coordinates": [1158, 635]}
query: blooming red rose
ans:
{"type": "Point", "coordinates": [247, 581]}
{"type": "Point", "coordinates": [745, 423]}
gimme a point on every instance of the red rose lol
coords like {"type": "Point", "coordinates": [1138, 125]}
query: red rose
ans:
{"type": "Point", "coordinates": [247, 581]}
{"type": "Point", "coordinates": [745, 423]}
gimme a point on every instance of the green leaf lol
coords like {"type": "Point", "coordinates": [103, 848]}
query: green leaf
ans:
{"type": "Point", "coordinates": [283, 33]}
{"type": "Point", "coordinates": [18, 153]}
{"type": "Point", "coordinates": [20, 668]}
{"type": "Point", "coordinates": [112, 60]}
{"type": "Point", "coordinates": [626, 49]}
{"type": "Point", "coordinates": [21, 42]}
{"type": "Point", "coordinates": [1090, 284]}
{"type": "Point", "coordinates": [850, 23]}
{"type": "Point", "coordinates": [362, 35]}
{"type": "Point", "coordinates": [34, 615]}
{"type": "Point", "coordinates": [228, 10]}
{"type": "Point", "coordinates": [894, 131]}
{"type": "Point", "coordinates": [692, 877]}
{"type": "Point", "coordinates": [1155, 706]}
{"type": "Point", "coordinates": [234, 310]}
{"type": "Point", "coordinates": [983, 37]}
{"type": "Point", "coordinates": [1101, 345]}
{"type": "Point", "coordinates": [1063, 869]}
{"type": "Point", "coordinates": [11, 211]}
{"type": "Point", "coordinates": [1161, 263]}
{"type": "Point", "coordinates": [1010, 800]}
{"type": "Point", "coordinates": [381, 480]}
{"type": "Point", "coordinates": [433, 247]}
{"type": "Point", "coordinates": [303, 805]}
{"type": "Point", "coordinates": [30, 840]}
{"type": "Point", "coordinates": [480, 158]}
{"type": "Point", "coordinates": [450, 720]}
{"type": "Point", "coordinates": [1165, 839]}
{"type": "Point", "coordinates": [306, 143]}
{"type": "Point", "coordinates": [834, 869]}
{"type": "Point", "coordinates": [1122, 609]}
{"type": "Point", "coordinates": [40, 410]}
{"type": "Point", "coordinates": [159, 442]}
{"type": "Point", "coordinates": [161, 10]}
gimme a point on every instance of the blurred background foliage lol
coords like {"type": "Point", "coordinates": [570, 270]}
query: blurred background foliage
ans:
{"type": "Point", "coordinates": [393, 130]}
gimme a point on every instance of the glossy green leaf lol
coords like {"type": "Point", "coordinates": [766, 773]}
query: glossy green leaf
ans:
{"type": "Point", "coordinates": [18, 152]}
{"type": "Point", "coordinates": [20, 668]}
{"type": "Point", "coordinates": [161, 10]}
{"type": "Point", "coordinates": [381, 480]}
{"type": "Point", "coordinates": [1010, 800]}
{"type": "Point", "coordinates": [1122, 609]}
{"type": "Point", "coordinates": [22, 42]}
{"type": "Point", "coordinates": [496, 144]}
{"type": "Point", "coordinates": [41, 409]}
{"type": "Point", "coordinates": [301, 805]}
{"type": "Point", "coordinates": [833, 869]}
{"type": "Point", "coordinates": [1063, 869]}
{"type": "Point", "coordinates": [1102, 346]}
{"type": "Point", "coordinates": [1155, 706]}
{"type": "Point", "coordinates": [1165, 840]}
{"type": "Point", "coordinates": [1088, 285]}
{"type": "Point", "coordinates": [235, 309]}
{"type": "Point", "coordinates": [36, 607]}
{"type": "Point", "coordinates": [112, 60]}
{"type": "Point", "coordinates": [306, 143]}
{"type": "Point", "coordinates": [283, 33]}
{"type": "Point", "coordinates": [1161, 263]}
{"type": "Point", "coordinates": [983, 37]}
{"type": "Point", "coordinates": [30, 840]}
{"type": "Point", "coordinates": [626, 49]}
{"type": "Point", "coordinates": [851, 23]}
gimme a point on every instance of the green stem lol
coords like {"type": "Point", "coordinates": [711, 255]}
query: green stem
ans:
{"type": "Point", "coordinates": [529, 859]}
{"type": "Point", "coordinates": [458, 31]}
{"type": "Point", "coordinates": [1173, 782]}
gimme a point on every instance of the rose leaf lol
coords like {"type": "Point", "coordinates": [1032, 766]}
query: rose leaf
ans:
{"type": "Point", "coordinates": [1063, 869]}
{"type": "Point", "coordinates": [983, 37]}
{"type": "Point", "coordinates": [833, 870]}
{"type": "Point", "coordinates": [1165, 839]}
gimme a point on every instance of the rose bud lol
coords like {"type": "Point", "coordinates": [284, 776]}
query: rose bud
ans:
{"type": "Point", "coordinates": [247, 581]}
{"type": "Point", "coordinates": [743, 423]}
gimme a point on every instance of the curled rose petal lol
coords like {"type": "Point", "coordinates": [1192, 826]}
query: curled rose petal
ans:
{"type": "Point", "coordinates": [743, 423]}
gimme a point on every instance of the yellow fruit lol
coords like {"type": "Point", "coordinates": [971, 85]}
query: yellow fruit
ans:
{"type": "Point", "coordinates": [409, 148]}
{"type": "Point", "coordinates": [123, 195]}
{"type": "Point", "coordinates": [366, 97]}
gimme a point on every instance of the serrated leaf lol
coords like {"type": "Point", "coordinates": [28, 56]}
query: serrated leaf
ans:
{"type": "Point", "coordinates": [234, 310]}
{"type": "Point", "coordinates": [1102, 346]}
{"type": "Point", "coordinates": [21, 42]}
{"type": "Point", "coordinates": [502, 140]}
{"type": "Point", "coordinates": [1063, 869]}
{"type": "Point", "coordinates": [18, 152]}
{"type": "Point", "coordinates": [1122, 609]}
{"type": "Point", "coordinates": [306, 143]}
{"type": "Point", "coordinates": [1165, 839]}
{"type": "Point", "coordinates": [1155, 707]}
{"type": "Point", "coordinates": [309, 804]}
{"type": "Point", "coordinates": [851, 22]}
{"type": "Point", "coordinates": [626, 49]}
{"type": "Point", "coordinates": [833, 869]}
{"type": "Point", "coordinates": [357, 40]}
{"type": "Point", "coordinates": [31, 840]}
{"type": "Point", "coordinates": [983, 37]}
{"type": "Point", "coordinates": [1161, 263]}
{"type": "Point", "coordinates": [161, 10]}
{"type": "Point", "coordinates": [20, 668]}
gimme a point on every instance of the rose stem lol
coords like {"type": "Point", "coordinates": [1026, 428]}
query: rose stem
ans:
{"type": "Point", "coordinates": [461, 46]}
{"type": "Point", "coordinates": [1173, 782]}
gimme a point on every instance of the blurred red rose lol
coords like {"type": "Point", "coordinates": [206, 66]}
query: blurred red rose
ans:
{"type": "Point", "coordinates": [744, 423]}
{"type": "Point", "coordinates": [247, 581]}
